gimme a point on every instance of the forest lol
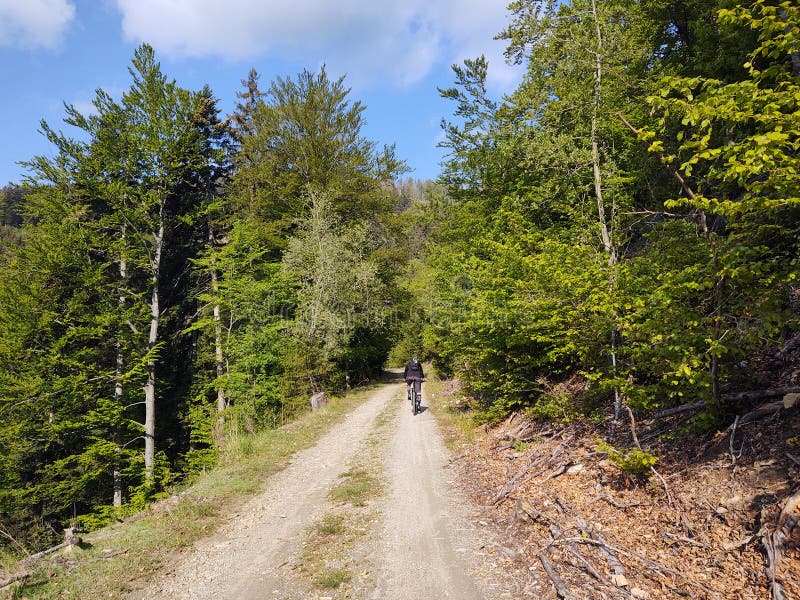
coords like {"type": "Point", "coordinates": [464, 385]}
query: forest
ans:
{"type": "Point", "coordinates": [619, 232]}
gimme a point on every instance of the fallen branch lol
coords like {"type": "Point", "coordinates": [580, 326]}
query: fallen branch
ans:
{"type": "Point", "coordinates": [589, 567]}
{"type": "Point", "coordinates": [523, 475]}
{"type": "Point", "coordinates": [516, 431]}
{"type": "Point", "coordinates": [526, 508]}
{"type": "Point", "coordinates": [107, 556]}
{"type": "Point", "coordinates": [666, 487]}
{"type": "Point", "coordinates": [613, 562]}
{"type": "Point", "coordinates": [558, 583]}
{"type": "Point", "coordinates": [649, 563]}
{"type": "Point", "coordinates": [70, 539]}
{"type": "Point", "coordinates": [560, 471]}
{"type": "Point", "coordinates": [679, 409]}
{"type": "Point", "coordinates": [516, 481]}
{"type": "Point", "coordinates": [614, 503]}
{"type": "Point", "coordinates": [775, 542]}
{"type": "Point", "coordinates": [760, 394]}
{"type": "Point", "coordinates": [683, 538]}
{"type": "Point", "coordinates": [38, 555]}
{"type": "Point", "coordinates": [13, 579]}
{"type": "Point", "coordinates": [523, 507]}
{"type": "Point", "coordinates": [762, 411]}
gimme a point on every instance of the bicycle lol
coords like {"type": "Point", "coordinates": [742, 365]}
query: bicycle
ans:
{"type": "Point", "coordinates": [414, 397]}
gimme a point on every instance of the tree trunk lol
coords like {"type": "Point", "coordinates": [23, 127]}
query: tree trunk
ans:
{"type": "Point", "coordinates": [150, 387]}
{"type": "Point", "coordinates": [606, 232]}
{"type": "Point", "coordinates": [218, 353]}
{"type": "Point", "coordinates": [118, 390]}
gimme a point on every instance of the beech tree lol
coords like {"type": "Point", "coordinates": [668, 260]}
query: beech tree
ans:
{"type": "Point", "coordinates": [573, 252]}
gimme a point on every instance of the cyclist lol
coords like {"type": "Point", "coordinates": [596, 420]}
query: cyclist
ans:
{"type": "Point", "coordinates": [413, 375]}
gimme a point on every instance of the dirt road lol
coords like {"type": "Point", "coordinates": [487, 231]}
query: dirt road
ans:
{"type": "Point", "coordinates": [425, 543]}
{"type": "Point", "coordinates": [420, 544]}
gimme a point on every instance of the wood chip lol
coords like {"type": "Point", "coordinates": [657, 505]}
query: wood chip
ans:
{"type": "Point", "coordinates": [619, 580]}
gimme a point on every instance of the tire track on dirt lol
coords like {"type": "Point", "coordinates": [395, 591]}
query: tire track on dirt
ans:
{"type": "Point", "coordinates": [245, 558]}
{"type": "Point", "coordinates": [426, 547]}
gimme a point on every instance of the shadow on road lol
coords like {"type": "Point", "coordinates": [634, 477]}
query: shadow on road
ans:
{"type": "Point", "coordinates": [392, 375]}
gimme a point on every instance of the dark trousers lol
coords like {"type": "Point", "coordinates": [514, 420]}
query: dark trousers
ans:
{"type": "Point", "coordinates": [417, 384]}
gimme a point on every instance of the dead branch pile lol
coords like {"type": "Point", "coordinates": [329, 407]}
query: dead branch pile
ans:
{"type": "Point", "coordinates": [575, 528]}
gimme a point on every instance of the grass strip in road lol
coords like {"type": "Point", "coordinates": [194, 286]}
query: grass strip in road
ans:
{"type": "Point", "coordinates": [121, 557]}
{"type": "Point", "coordinates": [326, 561]}
{"type": "Point", "coordinates": [356, 486]}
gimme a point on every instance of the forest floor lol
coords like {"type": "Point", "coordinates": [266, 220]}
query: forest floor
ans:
{"type": "Point", "coordinates": [370, 511]}
{"type": "Point", "coordinates": [695, 527]}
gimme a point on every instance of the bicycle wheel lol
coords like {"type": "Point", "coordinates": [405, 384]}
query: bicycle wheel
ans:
{"type": "Point", "coordinates": [413, 401]}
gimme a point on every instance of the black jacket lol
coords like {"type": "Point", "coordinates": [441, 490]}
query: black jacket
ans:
{"type": "Point", "coordinates": [413, 371]}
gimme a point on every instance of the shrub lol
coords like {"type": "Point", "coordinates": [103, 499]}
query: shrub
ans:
{"type": "Point", "coordinates": [632, 461]}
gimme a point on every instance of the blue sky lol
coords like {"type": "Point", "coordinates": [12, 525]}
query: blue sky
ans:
{"type": "Point", "coordinates": [393, 52]}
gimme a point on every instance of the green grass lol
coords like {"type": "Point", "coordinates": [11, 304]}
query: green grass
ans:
{"type": "Point", "coordinates": [119, 558]}
{"type": "Point", "coordinates": [457, 422]}
{"type": "Point", "coordinates": [333, 579]}
{"type": "Point", "coordinates": [331, 525]}
{"type": "Point", "coordinates": [356, 487]}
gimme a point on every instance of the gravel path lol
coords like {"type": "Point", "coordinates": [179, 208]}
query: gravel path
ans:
{"type": "Point", "coordinates": [244, 559]}
{"type": "Point", "coordinates": [425, 544]}
{"type": "Point", "coordinates": [421, 546]}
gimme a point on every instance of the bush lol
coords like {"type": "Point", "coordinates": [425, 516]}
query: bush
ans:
{"type": "Point", "coordinates": [632, 461]}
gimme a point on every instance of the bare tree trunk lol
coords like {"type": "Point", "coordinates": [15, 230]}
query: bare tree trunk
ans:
{"type": "Point", "coordinates": [118, 390]}
{"type": "Point", "coordinates": [719, 290]}
{"type": "Point", "coordinates": [606, 229]}
{"type": "Point", "coordinates": [218, 353]}
{"type": "Point", "coordinates": [605, 233]}
{"type": "Point", "coordinates": [150, 386]}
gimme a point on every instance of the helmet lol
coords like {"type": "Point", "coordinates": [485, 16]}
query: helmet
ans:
{"type": "Point", "coordinates": [414, 359]}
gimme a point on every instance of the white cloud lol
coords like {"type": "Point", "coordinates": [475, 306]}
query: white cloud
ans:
{"type": "Point", "coordinates": [396, 42]}
{"type": "Point", "coordinates": [34, 23]}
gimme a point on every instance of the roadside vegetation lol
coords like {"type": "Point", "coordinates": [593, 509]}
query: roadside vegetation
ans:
{"type": "Point", "coordinates": [115, 559]}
